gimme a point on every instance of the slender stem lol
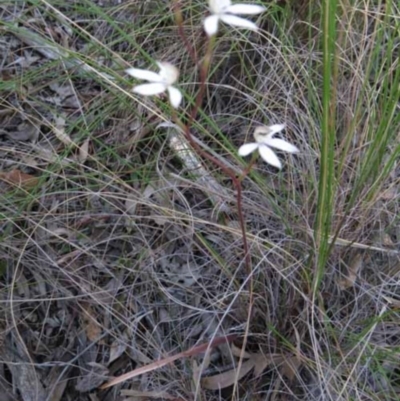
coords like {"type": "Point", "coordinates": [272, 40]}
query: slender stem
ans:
{"type": "Point", "coordinates": [205, 66]}
{"type": "Point", "coordinates": [247, 170]}
{"type": "Point", "coordinates": [179, 21]}
{"type": "Point", "coordinates": [247, 258]}
{"type": "Point", "coordinates": [237, 181]}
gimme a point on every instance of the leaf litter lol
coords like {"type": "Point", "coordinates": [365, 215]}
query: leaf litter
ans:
{"type": "Point", "coordinates": [17, 178]}
{"type": "Point", "coordinates": [140, 254]}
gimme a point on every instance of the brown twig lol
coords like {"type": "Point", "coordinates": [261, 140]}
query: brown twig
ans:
{"type": "Point", "coordinates": [179, 20]}
{"type": "Point", "coordinates": [166, 361]}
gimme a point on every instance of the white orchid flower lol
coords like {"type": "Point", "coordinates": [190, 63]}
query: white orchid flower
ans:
{"type": "Point", "coordinates": [227, 12]}
{"type": "Point", "coordinates": [264, 141]}
{"type": "Point", "coordinates": [159, 83]}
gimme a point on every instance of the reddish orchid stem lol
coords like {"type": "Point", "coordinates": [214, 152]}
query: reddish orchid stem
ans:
{"type": "Point", "coordinates": [238, 186]}
{"type": "Point", "coordinates": [237, 181]}
{"type": "Point", "coordinates": [203, 79]}
{"type": "Point", "coordinates": [186, 129]}
{"type": "Point", "coordinates": [247, 170]}
{"type": "Point", "coordinates": [179, 20]}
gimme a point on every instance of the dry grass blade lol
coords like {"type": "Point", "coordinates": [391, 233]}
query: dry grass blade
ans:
{"type": "Point", "coordinates": [357, 245]}
{"type": "Point", "coordinates": [166, 361]}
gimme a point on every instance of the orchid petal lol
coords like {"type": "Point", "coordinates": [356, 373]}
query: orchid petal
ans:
{"type": "Point", "coordinates": [263, 133]}
{"type": "Point", "coordinates": [149, 89]}
{"type": "Point", "coordinates": [269, 156]}
{"type": "Point", "coordinates": [144, 74]}
{"type": "Point", "coordinates": [168, 72]}
{"type": "Point", "coordinates": [219, 6]}
{"type": "Point", "coordinates": [175, 96]}
{"type": "Point", "coordinates": [248, 9]}
{"type": "Point", "coordinates": [239, 22]}
{"type": "Point", "coordinates": [281, 145]}
{"type": "Point", "coordinates": [274, 129]}
{"type": "Point", "coordinates": [247, 148]}
{"type": "Point", "coordinates": [211, 25]}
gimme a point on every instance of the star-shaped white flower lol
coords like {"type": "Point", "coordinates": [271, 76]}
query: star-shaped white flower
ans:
{"type": "Point", "coordinates": [264, 141]}
{"type": "Point", "coordinates": [227, 12]}
{"type": "Point", "coordinates": [159, 83]}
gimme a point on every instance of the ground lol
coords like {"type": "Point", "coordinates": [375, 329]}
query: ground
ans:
{"type": "Point", "coordinates": [133, 235]}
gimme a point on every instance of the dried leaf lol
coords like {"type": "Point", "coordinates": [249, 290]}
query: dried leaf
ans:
{"type": "Point", "coordinates": [49, 156]}
{"type": "Point", "coordinates": [68, 257]}
{"type": "Point", "coordinates": [384, 239]}
{"type": "Point", "coordinates": [389, 194]}
{"type": "Point", "coordinates": [20, 179]}
{"type": "Point", "coordinates": [84, 151]}
{"type": "Point", "coordinates": [43, 46]}
{"type": "Point", "coordinates": [196, 371]}
{"type": "Point", "coordinates": [56, 100]}
{"type": "Point", "coordinates": [63, 91]}
{"type": "Point", "coordinates": [166, 361]}
{"type": "Point", "coordinates": [290, 366]}
{"type": "Point", "coordinates": [118, 347]}
{"type": "Point", "coordinates": [25, 61]}
{"type": "Point", "coordinates": [29, 161]}
{"type": "Point", "coordinates": [72, 102]}
{"type": "Point", "coordinates": [148, 394]}
{"type": "Point", "coordinates": [131, 204]}
{"type": "Point", "coordinates": [395, 303]}
{"type": "Point", "coordinates": [137, 355]}
{"type": "Point", "coordinates": [160, 220]}
{"type": "Point", "coordinates": [25, 378]}
{"type": "Point", "coordinates": [92, 328]}
{"type": "Point", "coordinates": [59, 131]}
{"type": "Point", "coordinates": [57, 387]}
{"type": "Point", "coordinates": [25, 132]}
{"type": "Point", "coordinates": [261, 362]}
{"type": "Point", "coordinates": [93, 378]}
{"type": "Point", "coordinates": [148, 191]}
{"type": "Point", "coordinates": [67, 96]}
{"type": "Point", "coordinates": [61, 232]}
{"type": "Point", "coordinates": [236, 351]}
{"type": "Point", "coordinates": [226, 379]}
{"type": "Point", "coordinates": [352, 270]}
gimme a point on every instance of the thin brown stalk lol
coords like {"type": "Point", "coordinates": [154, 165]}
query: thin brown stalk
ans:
{"type": "Point", "coordinates": [181, 30]}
